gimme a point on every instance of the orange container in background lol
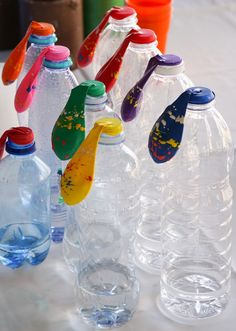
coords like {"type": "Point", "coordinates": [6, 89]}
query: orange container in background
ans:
{"type": "Point", "coordinates": [155, 15]}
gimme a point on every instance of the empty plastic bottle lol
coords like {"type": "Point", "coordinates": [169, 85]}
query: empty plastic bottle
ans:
{"type": "Point", "coordinates": [25, 201]}
{"type": "Point", "coordinates": [41, 38]}
{"type": "Point", "coordinates": [128, 64]}
{"type": "Point", "coordinates": [40, 35]}
{"type": "Point", "coordinates": [197, 211]}
{"type": "Point", "coordinates": [163, 81]}
{"type": "Point", "coordinates": [100, 44]}
{"type": "Point", "coordinates": [98, 235]}
{"type": "Point", "coordinates": [40, 99]}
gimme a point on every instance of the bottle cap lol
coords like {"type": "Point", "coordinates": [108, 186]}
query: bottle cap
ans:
{"type": "Point", "coordinates": [97, 89]}
{"type": "Point", "coordinates": [171, 60]}
{"type": "Point", "coordinates": [122, 12]}
{"type": "Point", "coordinates": [18, 136]}
{"type": "Point", "coordinates": [201, 95]}
{"type": "Point", "coordinates": [41, 28]}
{"type": "Point", "coordinates": [111, 126]}
{"type": "Point", "coordinates": [144, 36]}
{"type": "Point", "coordinates": [57, 53]}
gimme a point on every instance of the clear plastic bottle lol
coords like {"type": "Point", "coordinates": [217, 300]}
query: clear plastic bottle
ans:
{"type": "Point", "coordinates": [113, 35]}
{"type": "Point", "coordinates": [142, 47]}
{"type": "Point", "coordinates": [98, 236]}
{"type": "Point", "coordinates": [40, 35]}
{"type": "Point", "coordinates": [54, 85]}
{"type": "Point", "coordinates": [120, 22]}
{"type": "Point", "coordinates": [37, 44]}
{"type": "Point", "coordinates": [197, 213]}
{"type": "Point", "coordinates": [163, 87]}
{"type": "Point", "coordinates": [24, 203]}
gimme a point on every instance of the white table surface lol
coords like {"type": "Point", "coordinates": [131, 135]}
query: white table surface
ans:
{"type": "Point", "coordinates": [41, 298]}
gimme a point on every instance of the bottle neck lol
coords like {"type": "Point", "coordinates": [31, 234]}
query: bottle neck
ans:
{"type": "Point", "coordinates": [112, 140]}
{"type": "Point", "coordinates": [53, 65]}
{"type": "Point", "coordinates": [143, 48]}
{"type": "Point", "coordinates": [95, 104]}
{"type": "Point", "coordinates": [201, 107]}
{"type": "Point", "coordinates": [169, 71]}
{"type": "Point", "coordinates": [127, 23]}
{"type": "Point", "coordinates": [42, 41]}
{"type": "Point", "coordinates": [20, 150]}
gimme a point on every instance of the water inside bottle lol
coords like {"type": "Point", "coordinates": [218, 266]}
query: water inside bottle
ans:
{"type": "Point", "coordinates": [23, 243]}
{"type": "Point", "coordinates": [192, 290]}
{"type": "Point", "coordinates": [58, 209]}
{"type": "Point", "coordinates": [107, 294]}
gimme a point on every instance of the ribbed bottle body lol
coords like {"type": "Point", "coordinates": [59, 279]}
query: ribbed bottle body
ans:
{"type": "Point", "coordinates": [31, 55]}
{"type": "Point", "coordinates": [196, 222]}
{"type": "Point", "coordinates": [110, 40]}
{"type": "Point", "coordinates": [53, 90]}
{"type": "Point", "coordinates": [97, 240]}
{"type": "Point", "coordinates": [134, 64]}
{"type": "Point", "coordinates": [157, 95]}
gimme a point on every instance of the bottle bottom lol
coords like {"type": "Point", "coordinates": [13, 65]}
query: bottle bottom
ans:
{"type": "Point", "coordinates": [107, 294]}
{"type": "Point", "coordinates": [106, 317]}
{"type": "Point", "coordinates": [57, 234]}
{"type": "Point", "coordinates": [193, 297]}
{"type": "Point", "coordinates": [22, 243]}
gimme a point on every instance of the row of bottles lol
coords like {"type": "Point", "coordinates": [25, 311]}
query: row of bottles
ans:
{"type": "Point", "coordinates": [161, 203]}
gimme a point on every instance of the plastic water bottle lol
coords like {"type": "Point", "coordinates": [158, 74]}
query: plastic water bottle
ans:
{"type": "Point", "coordinates": [101, 43]}
{"type": "Point", "coordinates": [25, 201]}
{"type": "Point", "coordinates": [163, 81]}
{"type": "Point", "coordinates": [18, 63]}
{"type": "Point", "coordinates": [39, 108]}
{"type": "Point", "coordinates": [42, 38]}
{"type": "Point", "coordinates": [197, 213]}
{"type": "Point", "coordinates": [120, 23]}
{"type": "Point", "coordinates": [98, 235]}
{"type": "Point", "coordinates": [128, 64]}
